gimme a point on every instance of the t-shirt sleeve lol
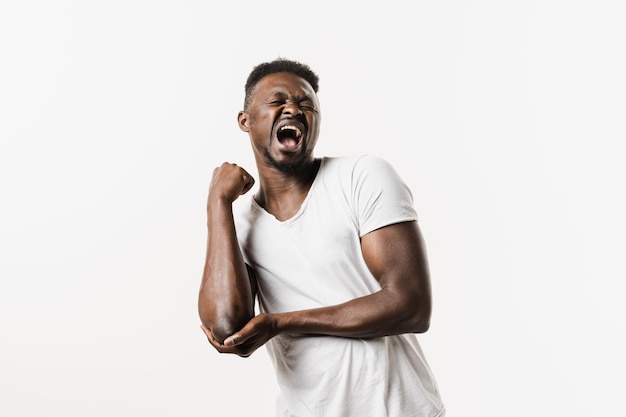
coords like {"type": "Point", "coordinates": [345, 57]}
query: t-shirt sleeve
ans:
{"type": "Point", "coordinates": [380, 196]}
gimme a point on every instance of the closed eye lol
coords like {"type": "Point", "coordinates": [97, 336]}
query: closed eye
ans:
{"type": "Point", "coordinates": [307, 105]}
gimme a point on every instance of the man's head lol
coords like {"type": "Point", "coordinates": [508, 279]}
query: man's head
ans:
{"type": "Point", "coordinates": [282, 115]}
{"type": "Point", "coordinates": [279, 65]}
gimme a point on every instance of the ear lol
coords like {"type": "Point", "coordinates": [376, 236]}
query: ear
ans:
{"type": "Point", "coordinates": [244, 121]}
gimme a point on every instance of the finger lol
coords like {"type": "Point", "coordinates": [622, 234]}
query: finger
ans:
{"type": "Point", "coordinates": [206, 331]}
{"type": "Point", "coordinates": [242, 336]}
{"type": "Point", "coordinates": [214, 342]}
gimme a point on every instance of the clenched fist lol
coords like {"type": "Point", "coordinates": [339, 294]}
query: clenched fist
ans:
{"type": "Point", "coordinates": [229, 181]}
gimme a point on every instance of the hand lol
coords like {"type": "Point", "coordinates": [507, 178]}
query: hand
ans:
{"type": "Point", "coordinates": [230, 181]}
{"type": "Point", "coordinates": [247, 340]}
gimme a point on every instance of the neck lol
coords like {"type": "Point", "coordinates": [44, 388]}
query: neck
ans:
{"type": "Point", "coordinates": [282, 194]}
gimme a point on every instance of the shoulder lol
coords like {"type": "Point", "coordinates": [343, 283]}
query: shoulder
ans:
{"type": "Point", "coordinates": [373, 163]}
{"type": "Point", "coordinates": [377, 193]}
{"type": "Point", "coordinates": [371, 169]}
{"type": "Point", "coordinates": [355, 172]}
{"type": "Point", "coordinates": [356, 164]}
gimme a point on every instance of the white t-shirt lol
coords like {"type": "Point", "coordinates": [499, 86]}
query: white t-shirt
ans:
{"type": "Point", "coordinates": [314, 260]}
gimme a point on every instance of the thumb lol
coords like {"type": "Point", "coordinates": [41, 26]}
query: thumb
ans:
{"type": "Point", "coordinates": [233, 340]}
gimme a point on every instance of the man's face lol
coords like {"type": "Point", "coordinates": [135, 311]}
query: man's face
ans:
{"type": "Point", "coordinates": [283, 121]}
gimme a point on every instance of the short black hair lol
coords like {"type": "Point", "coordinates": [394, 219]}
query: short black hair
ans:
{"type": "Point", "coordinates": [279, 65]}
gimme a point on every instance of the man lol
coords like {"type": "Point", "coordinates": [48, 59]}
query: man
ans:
{"type": "Point", "coordinates": [332, 249]}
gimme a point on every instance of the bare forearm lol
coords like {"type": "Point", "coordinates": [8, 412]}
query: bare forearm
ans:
{"type": "Point", "coordinates": [226, 300]}
{"type": "Point", "coordinates": [383, 313]}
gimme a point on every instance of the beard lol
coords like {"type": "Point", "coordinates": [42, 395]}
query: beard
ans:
{"type": "Point", "coordinates": [284, 167]}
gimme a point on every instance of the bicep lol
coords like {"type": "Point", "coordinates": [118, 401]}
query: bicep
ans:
{"type": "Point", "coordinates": [396, 256]}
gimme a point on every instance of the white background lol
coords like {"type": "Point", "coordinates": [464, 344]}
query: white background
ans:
{"type": "Point", "coordinates": [506, 118]}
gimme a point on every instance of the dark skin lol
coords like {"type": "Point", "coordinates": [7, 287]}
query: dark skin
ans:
{"type": "Point", "coordinates": [395, 254]}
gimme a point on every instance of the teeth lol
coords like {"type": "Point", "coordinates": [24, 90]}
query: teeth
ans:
{"type": "Point", "coordinates": [289, 127]}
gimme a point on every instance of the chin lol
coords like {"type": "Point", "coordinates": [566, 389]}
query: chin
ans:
{"type": "Point", "coordinates": [285, 167]}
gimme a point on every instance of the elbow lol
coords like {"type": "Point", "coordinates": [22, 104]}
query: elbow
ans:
{"type": "Point", "coordinates": [222, 324]}
{"type": "Point", "coordinates": [223, 318]}
{"type": "Point", "coordinates": [417, 320]}
{"type": "Point", "coordinates": [222, 328]}
{"type": "Point", "coordinates": [421, 313]}
{"type": "Point", "coordinates": [421, 325]}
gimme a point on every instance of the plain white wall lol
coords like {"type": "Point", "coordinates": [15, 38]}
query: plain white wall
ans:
{"type": "Point", "coordinates": [505, 118]}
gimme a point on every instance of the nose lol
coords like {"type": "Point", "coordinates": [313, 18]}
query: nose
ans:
{"type": "Point", "coordinates": [291, 108]}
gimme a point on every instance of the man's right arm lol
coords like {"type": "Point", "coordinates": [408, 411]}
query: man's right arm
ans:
{"type": "Point", "coordinates": [226, 297]}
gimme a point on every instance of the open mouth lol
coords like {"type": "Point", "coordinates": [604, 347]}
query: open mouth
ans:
{"type": "Point", "coordinates": [289, 136]}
